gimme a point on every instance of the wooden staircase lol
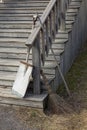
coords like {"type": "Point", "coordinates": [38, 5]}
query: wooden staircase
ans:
{"type": "Point", "coordinates": [16, 20]}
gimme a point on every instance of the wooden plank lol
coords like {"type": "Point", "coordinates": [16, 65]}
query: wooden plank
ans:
{"type": "Point", "coordinates": [22, 40]}
{"type": "Point", "coordinates": [7, 92]}
{"type": "Point", "coordinates": [13, 50]}
{"type": "Point", "coordinates": [21, 11]}
{"type": "Point", "coordinates": [37, 65]}
{"type": "Point", "coordinates": [4, 84]}
{"type": "Point", "coordinates": [22, 8]}
{"type": "Point", "coordinates": [10, 101]}
{"type": "Point", "coordinates": [6, 62]}
{"type": "Point", "coordinates": [7, 76]}
{"type": "Point", "coordinates": [41, 4]}
{"type": "Point", "coordinates": [15, 30]}
{"type": "Point", "coordinates": [61, 40]}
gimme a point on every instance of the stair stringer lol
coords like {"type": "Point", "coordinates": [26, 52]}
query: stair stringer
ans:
{"type": "Point", "coordinates": [76, 38]}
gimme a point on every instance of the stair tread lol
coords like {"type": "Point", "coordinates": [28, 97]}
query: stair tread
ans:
{"type": "Point", "coordinates": [15, 30]}
{"type": "Point", "coordinates": [7, 76]}
{"type": "Point", "coordinates": [22, 40]}
{"type": "Point", "coordinates": [24, 5]}
{"type": "Point", "coordinates": [72, 10]}
{"type": "Point", "coordinates": [25, 2]}
{"type": "Point", "coordinates": [7, 92]}
{"type": "Point", "coordinates": [8, 62]}
{"type": "Point", "coordinates": [61, 40]}
{"type": "Point", "coordinates": [20, 14]}
{"type": "Point", "coordinates": [16, 22]}
{"type": "Point", "coordinates": [70, 21]}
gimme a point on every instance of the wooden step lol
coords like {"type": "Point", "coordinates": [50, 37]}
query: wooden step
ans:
{"type": "Point", "coordinates": [75, 4]}
{"type": "Point", "coordinates": [60, 41]}
{"type": "Point", "coordinates": [14, 34]}
{"type": "Point", "coordinates": [16, 25]}
{"type": "Point", "coordinates": [20, 5]}
{"type": "Point", "coordinates": [19, 40]}
{"type": "Point", "coordinates": [18, 15]}
{"type": "Point", "coordinates": [68, 22]}
{"type": "Point", "coordinates": [22, 8]}
{"type": "Point", "coordinates": [70, 18]}
{"type": "Point", "coordinates": [36, 101]}
{"type": "Point", "coordinates": [62, 35]}
{"type": "Point", "coordinates": [23, 2]}
{"type": "Point", "coordinates": [72, 10]}
{"type": "Point", "coordinates": [16, 18]}
{"type": "Point", "coordinates": [7, 76]}
{"type": "Point", "coordinates": [22, 11]}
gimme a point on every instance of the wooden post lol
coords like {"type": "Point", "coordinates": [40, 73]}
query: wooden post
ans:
{"type": "Point", "coordinates": [62, 20]}
{"type": "Point", "coordinates": [37, 65]}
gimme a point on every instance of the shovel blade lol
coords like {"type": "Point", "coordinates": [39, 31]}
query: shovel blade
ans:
{"type": "Point", "coordinates": [22, 80]}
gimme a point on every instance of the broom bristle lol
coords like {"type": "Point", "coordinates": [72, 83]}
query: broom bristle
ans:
{"type": "Point", "coordinates": [56, 103]}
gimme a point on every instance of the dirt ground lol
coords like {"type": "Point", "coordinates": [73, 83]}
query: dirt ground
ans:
{"type": "Point", "coordinates": [16, 118]}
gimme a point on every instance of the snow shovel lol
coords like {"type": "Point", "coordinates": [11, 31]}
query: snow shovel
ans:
{"type": "Point", "coordinates": [22, 78]}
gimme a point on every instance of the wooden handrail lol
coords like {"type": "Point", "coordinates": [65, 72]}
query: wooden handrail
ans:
{"type": "Point", "coordinates": [52, 19]}
{"type": "Point", "coordinates": [36, 30]}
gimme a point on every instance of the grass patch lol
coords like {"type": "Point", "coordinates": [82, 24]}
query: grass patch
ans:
{"type": "Point", "coordinates": [76, 73]}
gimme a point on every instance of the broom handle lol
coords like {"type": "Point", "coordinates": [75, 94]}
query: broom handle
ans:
{"type": "Point", "coordinates": [28, 53]}
{"type": "Point", "coordinates": [66, 86]}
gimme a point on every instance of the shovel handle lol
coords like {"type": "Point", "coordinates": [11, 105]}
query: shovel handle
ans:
{"type": "Point", "coordinates": [25, 63]}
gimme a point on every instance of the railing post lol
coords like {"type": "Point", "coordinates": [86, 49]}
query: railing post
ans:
{"type": "Point", "coordinates": [62, 13]}
{"type": "Point", "coordinates": [37, 65]}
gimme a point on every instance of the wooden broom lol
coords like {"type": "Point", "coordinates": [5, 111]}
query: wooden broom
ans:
{"type": "Point", "coordinates": [56, 103]}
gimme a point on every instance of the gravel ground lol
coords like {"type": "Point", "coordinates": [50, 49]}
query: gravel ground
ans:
{"type": "Point", "coordinates": [9, 119]}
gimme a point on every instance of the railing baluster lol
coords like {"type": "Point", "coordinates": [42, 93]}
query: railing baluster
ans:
{"type": "Point", "coordinates": [59, 6]}
{"type": "Point", "coordinates": [50, 25]}
{"type": "Point", "coordinates": [47, 35]}
{"type": "Point", "coordinates": [43, 45]}
{"type": "Point", "coordinates": [53, 22]}
{"type": "Point", "coordinates": [56, 11]}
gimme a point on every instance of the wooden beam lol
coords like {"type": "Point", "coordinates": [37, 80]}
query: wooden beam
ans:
{"type": "Point", "coordinates": [36, 64]}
